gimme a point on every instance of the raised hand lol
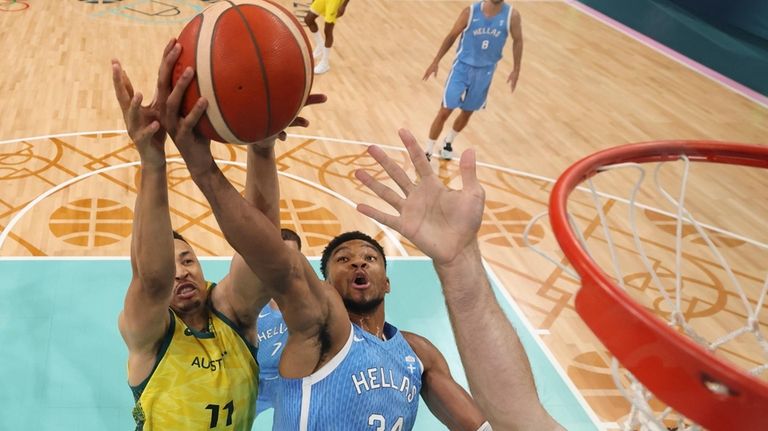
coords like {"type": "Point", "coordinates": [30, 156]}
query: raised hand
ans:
{"type": "Point", "coordinates": [142, 122]}
{"type": "Point", "coordinates": [512, 80]}
{"type": "Point", "coordinates": [440, 221]}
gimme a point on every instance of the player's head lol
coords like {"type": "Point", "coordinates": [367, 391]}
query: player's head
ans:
{"type": "Point", "coordinates": [291, 238]}
{"type": "Point", "coordinates": [497, 1]}
{"type": "Point", "coordinates": [355, 265]}
{"type": "Point", "coordinates": [190, 290]}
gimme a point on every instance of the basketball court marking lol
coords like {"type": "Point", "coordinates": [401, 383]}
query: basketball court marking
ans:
{"type": "Point", "coordinates": [530, 331]}
{"type": "Point", "coordinates": [13, 6]}
{"type": "Point", "coordinates": [6, 231]}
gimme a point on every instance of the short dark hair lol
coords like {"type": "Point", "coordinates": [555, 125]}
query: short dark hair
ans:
{"type": "Point", "coordinates": [177, 235]}
{"type": "Point", "coordinates": [341, 239]}
{"type": "Point", "coordinates": [289, 235]}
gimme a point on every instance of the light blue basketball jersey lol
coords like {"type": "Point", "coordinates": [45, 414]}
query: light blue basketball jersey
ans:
{"type": "Point", "coordinates": [371, 384]}
{"type": "Point", "coordinates": [272, 334]}
{"type": "Point", "coordinates": [482, 41]}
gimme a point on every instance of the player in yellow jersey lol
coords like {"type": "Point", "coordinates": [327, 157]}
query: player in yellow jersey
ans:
{"type": "Point", "coordinates": [330, 10]}
{"type": "Point", "coordinates": [191, 354]}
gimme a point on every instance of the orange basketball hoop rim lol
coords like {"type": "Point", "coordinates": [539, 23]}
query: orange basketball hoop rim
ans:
{"type": "Point", "coordinates": [680, 372]}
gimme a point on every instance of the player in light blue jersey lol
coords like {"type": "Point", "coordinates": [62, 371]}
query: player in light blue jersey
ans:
{"type": "Point", "coordinates": [272, 334]}
{"type": "Point", "coordinates": [375, 380]}
{"type": "Point", "coordinates": [483, 28]}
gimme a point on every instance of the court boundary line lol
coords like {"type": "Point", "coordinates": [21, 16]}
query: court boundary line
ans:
{"type": "Point", "coordinates": [670, 53]}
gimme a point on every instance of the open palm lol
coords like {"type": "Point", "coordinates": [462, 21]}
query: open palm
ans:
{"type": "Point", "coordinates": [440, 221]}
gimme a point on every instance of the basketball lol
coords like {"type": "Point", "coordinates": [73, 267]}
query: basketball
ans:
{"type": "Point", "coordinates": [253, 64]}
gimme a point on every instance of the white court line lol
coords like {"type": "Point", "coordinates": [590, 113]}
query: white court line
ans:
{"type": "Point", "coordinates": [15, 219]}
{"type": "Point", "coordinates": [479, 163]}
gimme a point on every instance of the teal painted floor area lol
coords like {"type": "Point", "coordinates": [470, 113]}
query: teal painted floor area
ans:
{"type": "Point", "coordinates": [65, 363]}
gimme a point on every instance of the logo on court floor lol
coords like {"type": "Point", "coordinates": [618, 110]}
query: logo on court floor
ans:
{"type": "Point", "coordinates": [145, 11]}
{"type": "Point", "coordinates": [13, 6]}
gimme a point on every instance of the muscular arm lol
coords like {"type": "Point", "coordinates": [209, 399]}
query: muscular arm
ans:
{"type": "Point", "coordinates": [446, 399]}
{"type": "Point", "coordinates": [241, 293]}
{"type": "Point", "coordinates": [497, 367]}
{"type": "Point", "coordinates": [307, 304]}
{"type": "Point", "coordinates": [144, 318]}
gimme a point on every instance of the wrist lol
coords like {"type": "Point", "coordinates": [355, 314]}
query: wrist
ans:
{"type": "Point", "coordinates": [202, 169]}
{"type": "Point", "coordinates": [458, 264]}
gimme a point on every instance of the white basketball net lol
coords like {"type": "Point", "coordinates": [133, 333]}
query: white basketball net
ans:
{"type": "Point", "coordinates": [626, 245]}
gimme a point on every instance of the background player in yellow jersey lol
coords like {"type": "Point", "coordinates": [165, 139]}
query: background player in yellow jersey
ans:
{"type": "Point", "coordinates": [191, 354]}
{"type": "Point", "coordinates": [330, 10]}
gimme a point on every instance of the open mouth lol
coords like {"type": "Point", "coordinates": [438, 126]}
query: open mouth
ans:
{"type": "Point", "coordinates": [186, 290]}
{"type": "Point", "coordinates": [361, 282]}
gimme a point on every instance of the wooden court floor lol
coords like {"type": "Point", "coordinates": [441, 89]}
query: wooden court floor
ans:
{"type": "Point", "coordinates": [68, 173]}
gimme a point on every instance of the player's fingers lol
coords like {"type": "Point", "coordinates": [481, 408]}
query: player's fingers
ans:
{"type": "Point", "coordinates": [132, 115]}
{"type": "Point", "coordinates": [164, 74]}
{"type": "Point", "coordinates": [314, 99]}
{"type": "Point", "coordinates": [416, 153]}
{"type": "Point", "coordinates": [173, 103]}
{"type": "Point", "coordinates": [147, 132]}
{"type": "Point", "coordinates": [190, 121]}
{"type": "Point", "coordinates": [385, 193]}
{"type": "Point", "coordinates": [299, 122]}
{"type": "Point", "coordinates": [117, 82]}
{"type": "Point", "coordinates": [393, 169]}
{"type": "Point", "coordinates": [381, 217]}
{"type": "Point", "coordinates": [468, 168]}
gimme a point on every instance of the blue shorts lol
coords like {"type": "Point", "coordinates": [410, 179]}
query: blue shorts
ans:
{"type": "Point", "coordinates": [467, 86]}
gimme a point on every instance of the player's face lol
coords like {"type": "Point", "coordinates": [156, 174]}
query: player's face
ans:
{"type": "Point", "coordinates": [189, 287]}
{"type": "Point", "coordinates": [356, 270]}
{"type": "Point", "coordinates": [497, 1]}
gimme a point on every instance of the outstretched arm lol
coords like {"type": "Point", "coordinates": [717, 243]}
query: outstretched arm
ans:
{"type": "Point", "coordinates": [458, 27]}
{"type": "Point", "coordinates": [144, 318]}
{"type": "Point", "coordinates": [516, 31]}
{"type": "Point", "coordinates": [284, 273]}
{"type": "Point", "coordinates": [242, 292]}
{"type": "Point", "coordinates": [443, 223]}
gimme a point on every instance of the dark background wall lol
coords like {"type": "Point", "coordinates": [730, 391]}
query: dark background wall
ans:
{"type": "Point", "coordinates": [730, 37]}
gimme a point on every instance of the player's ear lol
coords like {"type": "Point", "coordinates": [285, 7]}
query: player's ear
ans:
{"type": "Point", "coordinates": [388, 287]}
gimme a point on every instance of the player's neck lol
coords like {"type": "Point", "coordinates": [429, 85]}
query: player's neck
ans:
{"type": "Point", "coordinates": [197, 320]}
{"type": "Point", "coordinates": [373, 322]}
{"type": "Point", "coordinates": [490, 8]}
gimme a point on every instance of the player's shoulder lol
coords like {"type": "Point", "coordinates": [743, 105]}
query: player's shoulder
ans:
{"type": "Point", "coordinates": [420, 345]}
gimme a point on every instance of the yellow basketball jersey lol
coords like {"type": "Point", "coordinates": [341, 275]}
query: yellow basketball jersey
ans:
{"type": "Point", "coordinates": [202, 381]}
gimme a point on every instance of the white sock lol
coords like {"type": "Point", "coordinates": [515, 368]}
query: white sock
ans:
{"type": "Point", "coordinates": [318, 38]}
{"type": "Point", "coordinates": [451, 136]}
{"type": "Point", "coordinates": [430, 145]}
{"type": "Point", "coordinates": [326, 54]}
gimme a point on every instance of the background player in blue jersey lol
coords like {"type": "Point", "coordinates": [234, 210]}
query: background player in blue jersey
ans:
{"type": "Point", "coordinates": [272, 335]}
{"type": "Point", "coordinates": [444, 223]}
{"type": "Point", "coordinates": [483, 27]}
